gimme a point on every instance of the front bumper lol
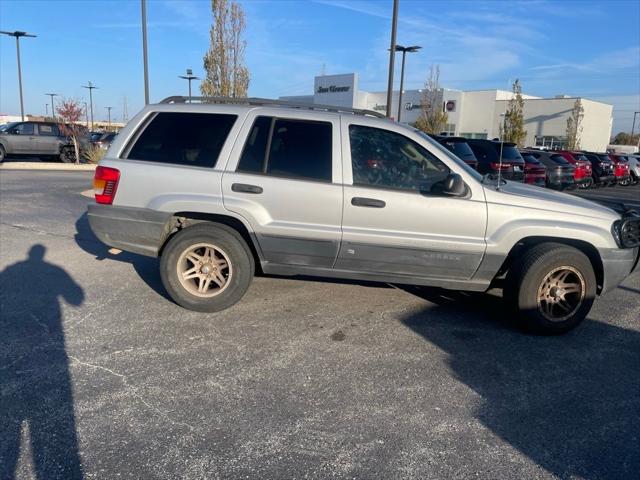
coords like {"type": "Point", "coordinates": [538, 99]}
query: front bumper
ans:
{"type": "Point", "coordinates": [137, 230]}
{"type": "Point", "coordinates": [618, 264]}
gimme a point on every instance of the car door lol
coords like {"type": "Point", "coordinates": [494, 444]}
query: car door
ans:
{"type": "Point", "coordinates": [23, 138]}
{"type": "Point", "coordinates": [392, 222]}
{"type": "Point", "coordinates": [285, 180]}
{"type": "Point", "coordinates": [48, 139]}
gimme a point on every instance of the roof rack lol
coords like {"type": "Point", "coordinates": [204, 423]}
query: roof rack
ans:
{"type": "Point", "coordinates": [272, 103]}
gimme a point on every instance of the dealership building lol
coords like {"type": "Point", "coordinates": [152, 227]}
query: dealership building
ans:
{"type": "Point", "coordinates": [475, 113]}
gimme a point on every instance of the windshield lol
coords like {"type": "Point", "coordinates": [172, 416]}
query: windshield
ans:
{"type": "Point", "coordinates": [461, 163]}
{"type": "Point", "coordinates": [510, 152]}
{"type": "Point", "coordinates": [559, 159]}
{"type": "Point", "coordinates": [8, 126]}
{"type": "Point", "coordinates": [529, 158]}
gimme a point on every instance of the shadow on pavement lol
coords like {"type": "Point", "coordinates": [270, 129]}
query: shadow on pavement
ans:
{"type": "Point", "coordinates": [570, 403]}
{"type": "Point", "coordinates": [145, 267]}
{"type": "Point", "coordinates": [35, 386]}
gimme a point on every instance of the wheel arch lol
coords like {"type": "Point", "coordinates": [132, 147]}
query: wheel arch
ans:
{"type": "Point", "coordinates": [527, 243]}
{"type": "Point", "coordinates": [181, 220]}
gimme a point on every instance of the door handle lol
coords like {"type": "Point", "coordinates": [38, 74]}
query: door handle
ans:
{"type": "Point", "coordinates": [367, 202]}
{"type": "Point", "coordinates": [244, 188]}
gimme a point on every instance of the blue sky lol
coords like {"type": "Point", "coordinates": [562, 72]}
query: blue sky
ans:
{"type": "Point", "coordinates": [589, 49]}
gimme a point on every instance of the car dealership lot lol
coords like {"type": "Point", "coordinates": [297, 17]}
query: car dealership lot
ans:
{"type": "Point", "coordinates": [304, 378]}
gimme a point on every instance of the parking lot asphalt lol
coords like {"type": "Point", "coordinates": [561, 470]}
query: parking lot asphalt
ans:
{"type": "Point", "coordinates": [102, 376]}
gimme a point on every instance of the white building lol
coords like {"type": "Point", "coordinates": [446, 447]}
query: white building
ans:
{"type": "Point", "coordinates": [475, 113]}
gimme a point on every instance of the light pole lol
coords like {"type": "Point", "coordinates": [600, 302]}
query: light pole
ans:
{"type": "Point", "coordinates": [90, 87]}
{"type": "Point", "coordinates": [18, 34]}
{"type": "Point", "coordinates": [86, 114]}
{"type": "Point", "coordinates": [633, 126]}
{"type": "Point", "coordinates": [392, 54]}
{"type": "Point", "coordinates": [53, 110]}
{"type": "Point", "coordinates": [109, 118]}
{"type": "Point", "coordinates": [404, 50]}
{"type": "Point", "coordinates": [189, 76]}
{"type": "Point", "coordinates": [143, 6]}
{"type": "Point", "coordinates": [46, 109]}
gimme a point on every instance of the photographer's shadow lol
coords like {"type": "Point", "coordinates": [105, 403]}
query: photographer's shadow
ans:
{"type": "Point", "coordinates": [35, 386]}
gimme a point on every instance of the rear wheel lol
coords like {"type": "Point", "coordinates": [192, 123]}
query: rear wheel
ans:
{"type": "Point", "coordinates": [587, 184]}
{"type": "Point", "coordinates": [3, 154]}
{"type": "Point", "coordinates": [207, 267]}
{"type": "Point", "coordinates": [552, 289]}
{"type": "Point", "coordinates": [67, 155]}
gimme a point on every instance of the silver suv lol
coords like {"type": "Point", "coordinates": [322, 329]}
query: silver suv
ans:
{"type": "Point", "coordinates": [220, 188]}
{"type": "Point", "coordinates": [35, 138]}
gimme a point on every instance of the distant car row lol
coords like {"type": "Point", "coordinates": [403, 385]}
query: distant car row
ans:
{"type": "Point", "coordinates": [558, 169]}
{"type": "Point", "coordinates": [46, 139]}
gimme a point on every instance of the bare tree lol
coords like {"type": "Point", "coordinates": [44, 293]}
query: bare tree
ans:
{"type": "Point", "coordinates": [512, 128]}
{"type": "Point", "coordinates": [574, 126]}
{"type": "Point", "coordinates": [226, 72]}
{"type": "Point", "coordinates": [433, 118]}
{"type": "Point", "coordinates": [70, 112]}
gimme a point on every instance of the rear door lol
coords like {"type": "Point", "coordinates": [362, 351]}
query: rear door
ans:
{"type": "Point", "coordinates": [48, 139]}
{"type": "Point", "coordinates": [392, 223]}
{"type": "Point", "coordinates": [285, 180]}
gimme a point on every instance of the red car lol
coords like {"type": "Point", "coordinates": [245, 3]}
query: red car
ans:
{"type": "Point", "coordinates": [535, 173]}
{"type": "Point", "coordinates": [621, 169]}
{"type": "Point", "coordinates": [582, 174]}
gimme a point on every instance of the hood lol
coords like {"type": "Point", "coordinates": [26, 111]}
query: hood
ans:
{"type": "Point", "coordinates": [529, 196]}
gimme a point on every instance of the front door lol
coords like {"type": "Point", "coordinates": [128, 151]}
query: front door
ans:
{"type": "Point", "coordinates": [23, 139]}
{"type": "Point", "coordinates": [392, 222]}
{"type": "Point", "coordinates": [286, 182]}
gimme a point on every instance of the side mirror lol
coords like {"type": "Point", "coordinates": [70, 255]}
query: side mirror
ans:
{"type": "Point", "coordinates": [454, 186]}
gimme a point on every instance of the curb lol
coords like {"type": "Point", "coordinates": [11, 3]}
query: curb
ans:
{"type": "Point", "coordinates": [83, 167]}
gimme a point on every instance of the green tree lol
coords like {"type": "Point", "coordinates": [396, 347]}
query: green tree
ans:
{"type": "Point", "coordinates": [512, 128]}
{"type": "Point", "coordinates": [624, 138]}
{"type": "Point", "coordinates": [226, 72]}
{"type": "Point", "coordinates": [574, 126]}
{"type": "Point", "coordinates": [433, 118]}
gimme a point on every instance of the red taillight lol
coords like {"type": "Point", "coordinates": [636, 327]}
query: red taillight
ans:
{"type": "Point", "coordinates": [105, 183]}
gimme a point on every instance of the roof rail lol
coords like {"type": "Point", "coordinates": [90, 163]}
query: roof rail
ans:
{"type": "Point", "coordinates": [272, 103]}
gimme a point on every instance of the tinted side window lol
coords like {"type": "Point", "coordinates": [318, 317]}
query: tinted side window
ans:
{"type": "Point", "coordinates": [254, 157]}
{"type": "Point", "coordinates": [193, 139]}
{"type": "Point", "coordinates": [296, 148]}
{"type": "Point", "coordinates": [390, 160]}
{"type": "Point", "coordinates": [483, 152]}
{"type": "Point", "coordinates": [25, 129]}
{"type": "Point", "coordinates": [49, 130]}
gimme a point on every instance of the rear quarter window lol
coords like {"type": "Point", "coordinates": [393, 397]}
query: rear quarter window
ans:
{"type": "Point", "coordinates": [190, 139]}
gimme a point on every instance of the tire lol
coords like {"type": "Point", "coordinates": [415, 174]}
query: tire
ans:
{"type": "Point", "coordinates": [226, 285]}
{"type": "Point", "coordinates": [3, 154]}
{"type": "Point", "coordinates": [586, 185]}
{"type": "Point", "coordinates": [535, 299]}
{"type": "Point", "coordinates": [67, 155]}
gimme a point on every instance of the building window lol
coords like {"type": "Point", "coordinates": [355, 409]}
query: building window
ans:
{"type": "Point", "coordinates": [551, 142]}
{"type": "Point", "coordinates": [480, 136]}
{"type": "Point", "coordinates": [449, 130]}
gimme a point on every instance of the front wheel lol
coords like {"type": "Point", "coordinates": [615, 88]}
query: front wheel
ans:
{"type": "Point", "coordinates": [207, 267]}
{"type": "Point", "coordinates": [552, 289]}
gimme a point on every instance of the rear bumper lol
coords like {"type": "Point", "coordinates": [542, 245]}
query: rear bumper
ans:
{"type": "Point", "coordinates": [137, 230]}
{"type": "Point", "coordinates": [617, 264]}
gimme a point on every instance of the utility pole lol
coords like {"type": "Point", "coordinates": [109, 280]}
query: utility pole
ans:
{"type": "Point", "coordinates": [46, 109]}
{"type": "Point", "coordinates": [109, 120]}
{"type": "Point", "coordinates": [19, 34]}
{"type": "Point", "coordinates": [189, 76]}
{"type": "Point", "coordinates": [125, 111]}
{"type": "Point", "coordinates": [143, 5]}
{"type": "Point", "coordinates": [90, 87]}
{"type": "Point", "coordinates": [633, 127]}
{"type": "Point", "coordinates": [53, 110]}
{"type": "Point", "coordinates": [392, 54]}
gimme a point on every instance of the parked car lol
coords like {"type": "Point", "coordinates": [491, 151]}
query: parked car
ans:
{"type": "Point", "coordinates": [602, 169]}
{"type": "Point", "coordinates": [460, 148]}
{"type": "Point", "coordinates": [583, 171]}
{"type": "Point", "coordinates": [488, 152]}
{"type": "Point", "coordinates": [621, 169]}
{"type": "Point", "coordinates": [104, 140]}
{"type": "Point", "coordinates": [560, 173]}
{"type": "Point", "coordinates": [217, 190]}
{"type": "Point", "coordinates": [43, 139]}
{"type": "Point", "coordinates": [535, 173]}
{"type": "Point", "coordinates": [95, 136]}
{"type": "Point", "coordinates": [634, 167]}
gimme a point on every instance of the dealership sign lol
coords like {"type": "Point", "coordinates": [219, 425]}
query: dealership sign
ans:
{"type": "Point", "coordinates": [333, 89]}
